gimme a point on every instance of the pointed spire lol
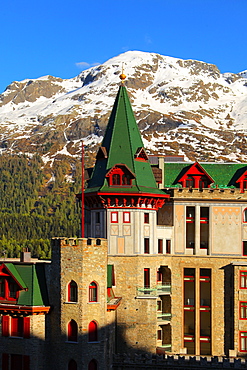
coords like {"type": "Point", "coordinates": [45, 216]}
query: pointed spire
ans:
{"type": "Point", "coordinates": [122, 146]}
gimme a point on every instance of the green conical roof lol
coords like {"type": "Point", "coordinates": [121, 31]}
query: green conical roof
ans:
{"type": "Point", "coordinates": [121, 143]}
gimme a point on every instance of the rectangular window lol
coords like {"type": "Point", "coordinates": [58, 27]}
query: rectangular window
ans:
{"type": "Point", "coordinates": [168, 246]}
{"type": "Point", "coordinates": [146, 278]}
{"type": "Point", "coordinates": [114, 217]}
{"type": "Point", "coordinates": [243, 310]}
{"type": "Point", "coordinates": [5, 361]}
{"type": "Point", "coordinates": [15, 362]}
{"type": "Point", "coordinates": [126, 217]}
{"type": "Point", "coordinates": [2, 288]}
{"type": "Point", "coordinates": [146, 245]}
{"type": "Point", "coordinates": [17, 327]}
{"type": "Point", "coordinates": [160, 246]}
{"type": "Point", "coordinates": [146, 218]}
{"type": "Point", "coordinates": [97, 217]}
{"type": "Point", "coordinates": [12, 289]}
{"type": "Point", "coordinates": [159, 334]}
{"type": "Point", "coordinates": [5, 326]}
{"type": "Point", "coordinates": [159, 305]}
{"type": "Point", "coordinates": [243, 341]}
{"type": "Point", "coordinates": [243, 279]}
{"type": "Point", "coordinates": [159, 275]}
{"type": "Point", "coordinates": [245, 248]}
{"type": "Point", "coordinates": [190, 227]}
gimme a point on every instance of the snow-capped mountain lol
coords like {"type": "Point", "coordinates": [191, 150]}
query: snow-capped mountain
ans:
{"type": "Point", "coordinates": [182, 107]}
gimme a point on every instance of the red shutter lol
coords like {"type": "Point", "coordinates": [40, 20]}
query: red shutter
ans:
{"type": "Point", "coordinates": [5, 326]}
{"type": "Point", "coordinates": [26, 327]}
{"type": "Point", "coordinates": [5, 361]}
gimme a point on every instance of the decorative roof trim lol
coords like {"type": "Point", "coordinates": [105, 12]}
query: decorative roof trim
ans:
{"type": "Point", "coordinates": [191, 171]}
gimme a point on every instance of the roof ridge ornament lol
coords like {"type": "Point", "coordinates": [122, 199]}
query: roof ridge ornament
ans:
{"type": "Point", "coordinates": [122, 75]}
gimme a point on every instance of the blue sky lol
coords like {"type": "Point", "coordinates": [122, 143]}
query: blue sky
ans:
{"type": "Point", "coordinates": [63, 37]}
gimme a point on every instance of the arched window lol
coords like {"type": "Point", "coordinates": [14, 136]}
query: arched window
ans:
{"type": "Point", "coordinates": [93, 292]}
{"type": "Point", "coordinates": [93, 331]}
{"type": "Point", "coordinates": [245, 215]}
{"type": "Point", "coordinates": [72, 331]}
{"type": "Point", "coordinates": [93, 365]}
{"type": "Point", "coordinates": [72, 365]}
{"type": "Point", "coordinates": [72, 291]}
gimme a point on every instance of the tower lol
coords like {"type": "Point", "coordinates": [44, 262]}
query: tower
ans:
{"type": "Point", "coordinates": [122, 191]}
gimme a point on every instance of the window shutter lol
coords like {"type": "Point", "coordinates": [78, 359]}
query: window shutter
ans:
{"type": "Point", "coordinates": [5, 326]}
{"type": "Point", "coordinates": [26, 327]}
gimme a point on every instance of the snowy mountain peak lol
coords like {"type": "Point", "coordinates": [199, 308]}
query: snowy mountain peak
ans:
{"type": "Point", "coordinates": [182, 107]}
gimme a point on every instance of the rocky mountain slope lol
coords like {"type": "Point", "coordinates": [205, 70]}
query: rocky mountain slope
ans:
{"type": "Point", "coordinates": [182, 107]}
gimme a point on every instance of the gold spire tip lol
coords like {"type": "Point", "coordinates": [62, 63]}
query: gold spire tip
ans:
{"type": "Point", "coordinates": [122, 76]}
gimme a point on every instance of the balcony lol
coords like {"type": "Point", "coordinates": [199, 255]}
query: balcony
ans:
{"type": "Point", "coordinates": [163, 318]}
{"type": "Point", "coordinates": [146, 293]}
{"type": "Point", "coordinates": [161, 349]}
{"type": "Point", "coordinates": [164, 288]}
{"type": "Point", "coordinates": [160, 289]}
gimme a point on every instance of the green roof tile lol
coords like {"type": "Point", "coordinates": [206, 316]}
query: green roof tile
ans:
{"type": "Point", "coordinates": [32, 279]}
{"type": "Point", "coordinates": [223, 174]}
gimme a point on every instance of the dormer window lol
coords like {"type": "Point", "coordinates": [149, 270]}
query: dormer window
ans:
{"type": "Point", "coordinates": [190, 182]}
{"type": "Point", "coordinates": [195, 177]}
{"type": "Point", "coordinates": [141, 155]}
{"type": "Point", "coordinates": [120, 175]}
{"type": "Point", "coordinates": [9, 287]}
{"type": "Point", "coordinates": [242, 181]}
{"type": "Point", "coordinates": [116, 179]}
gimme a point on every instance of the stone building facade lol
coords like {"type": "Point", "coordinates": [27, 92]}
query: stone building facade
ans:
{"type": "Point", "coordinates": [162, 271]}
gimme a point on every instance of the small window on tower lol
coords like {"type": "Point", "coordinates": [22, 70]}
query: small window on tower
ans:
{"type": "Point", "coordinates": [146, 218]}
{"type": "Point", "coordinates": [97, 216]}
{"type": "Point", "coordinates": [114, 217]}
{"type": "Point", "coordinates": [146, 245]}
{"type": "Point", "coordinates": [126, 217]}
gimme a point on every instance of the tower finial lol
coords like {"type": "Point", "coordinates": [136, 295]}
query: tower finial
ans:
{"type": "Point", "coordinates": [122, 76]}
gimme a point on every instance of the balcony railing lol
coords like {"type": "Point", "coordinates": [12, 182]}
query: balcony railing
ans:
{"type": "Point", "coordinates": [164, 316]}
{"type": "Point", "coordinates": [163, 348]}
{"type": "Point", "coordinates": [146, 292]}
{"type": "Point", "coordinates": [163, 288]}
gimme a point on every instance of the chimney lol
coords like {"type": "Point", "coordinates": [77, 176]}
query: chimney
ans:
{"type": "Point", "coordinates": [25, 255]}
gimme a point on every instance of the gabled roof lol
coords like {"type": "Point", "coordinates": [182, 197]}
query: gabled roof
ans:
{"type": "Point", "coordinates": [31, 277]}
{"type": "Point", "coordinates": [194, 169]}
{"type": "Point", "coordinates": [241, 174]}
{"type": "Point", "coordinates": [121, 142]}
{"type": "Point", "coordinates": [223, 174]}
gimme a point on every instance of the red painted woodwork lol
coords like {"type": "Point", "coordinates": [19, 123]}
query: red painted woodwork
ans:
{"type": "Point", "coordinates": [5, 326]}
{"type": "Point", "coordinates": [242, 181]}
{"type": "Point", "coordinates": [195, 177]}
{"type": "Point", "coordinates": [120, 175]}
